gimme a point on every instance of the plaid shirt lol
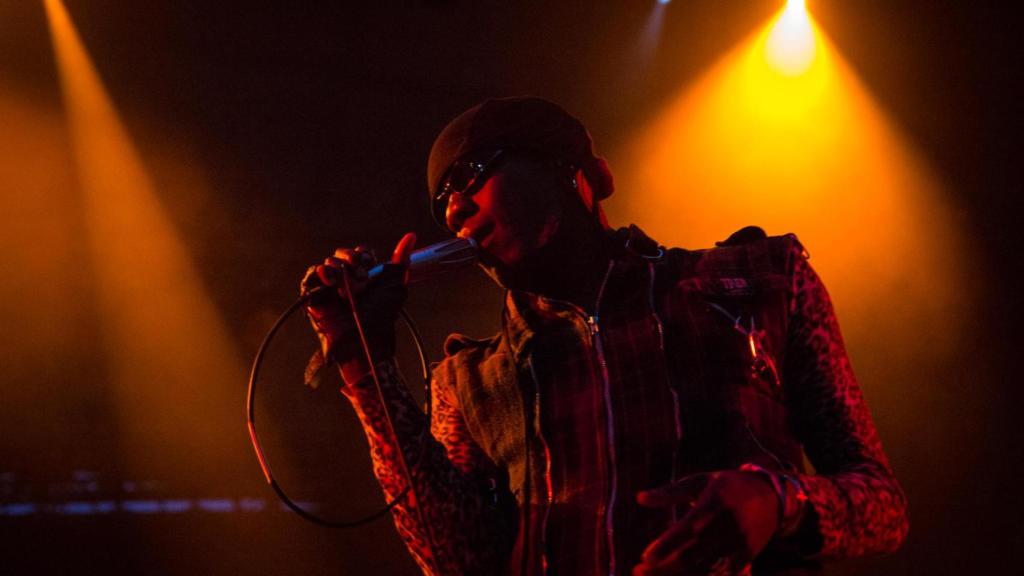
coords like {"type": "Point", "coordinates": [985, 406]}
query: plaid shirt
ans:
{"type": "Point", "coordinates": [693, 362]}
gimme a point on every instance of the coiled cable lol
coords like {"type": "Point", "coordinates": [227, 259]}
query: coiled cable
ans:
{"type": "Point", "coordinates": [251, 405]}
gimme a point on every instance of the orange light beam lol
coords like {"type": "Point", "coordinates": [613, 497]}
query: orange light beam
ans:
{"type": "Point", "coordinates": [781, 133]}
{"type": "Point", "coordinates": [173, 367]}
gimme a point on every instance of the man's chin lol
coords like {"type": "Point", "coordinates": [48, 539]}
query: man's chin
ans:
{"type": "Point", "coordinates": [517, 270]}
{"type": "Point", "coordinates": [504, 275]}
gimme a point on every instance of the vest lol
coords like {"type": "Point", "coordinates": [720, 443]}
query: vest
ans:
{"type": "Point", "coordinates": [723, 315]}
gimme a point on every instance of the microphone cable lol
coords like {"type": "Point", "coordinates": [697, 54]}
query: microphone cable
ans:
{"type": "Point", "coordinates": [251, 408]}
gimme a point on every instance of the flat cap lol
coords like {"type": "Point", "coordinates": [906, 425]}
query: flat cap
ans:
{"type": "Point", "coordinates": [523, 122]}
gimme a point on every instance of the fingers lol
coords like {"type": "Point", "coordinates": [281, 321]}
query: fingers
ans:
{"type": "Point", "coordinates": [664, 554]}
{"type": "Point", "coordinates": [684, 491]}
{"type": "Point", "coordinates": [404, 249]}
{"type": "Point", "coordinates": [310, 281]}
{"type": "Point", "coordinates": [679, 537]}
{"type": "Point", "coordinates": [666, 550]}
{"type": "Point", "coordinates": [702, 543]}
{"type": "Point", "coordinates": [720, 534]}
{"type": "Point", "coordinates": [356, 260]}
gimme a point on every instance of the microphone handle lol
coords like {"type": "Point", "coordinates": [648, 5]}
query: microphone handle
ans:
{"type": "Point", "coordinates": [436, 259]}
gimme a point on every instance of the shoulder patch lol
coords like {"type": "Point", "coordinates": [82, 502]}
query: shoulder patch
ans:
{"type": "Point", "coordinates": [749, 262]}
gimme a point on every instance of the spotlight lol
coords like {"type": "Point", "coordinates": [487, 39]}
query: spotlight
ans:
{"type": "Point", "coordinates": [790, 47]}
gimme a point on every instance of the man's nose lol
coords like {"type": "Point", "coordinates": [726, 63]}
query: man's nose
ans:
{"type": "Point", "coordinates": [460, 207]}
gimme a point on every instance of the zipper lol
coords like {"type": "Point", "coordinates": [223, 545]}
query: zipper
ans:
{"type": "Point", "coordinates": [595, 337]}
{"type": "Point", "coordinates": [547, 470]}
{"type": "Point", "coordinates": [592, 323]}
{"type": "Point", "coordinates": [677, 419]}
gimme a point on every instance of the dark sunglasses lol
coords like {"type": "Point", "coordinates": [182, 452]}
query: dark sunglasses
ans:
{"type": "Point", "coordinates": [466, 177]}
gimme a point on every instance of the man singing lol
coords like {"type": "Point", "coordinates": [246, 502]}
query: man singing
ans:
{"type": "Point", "coordinates": [642, 410]}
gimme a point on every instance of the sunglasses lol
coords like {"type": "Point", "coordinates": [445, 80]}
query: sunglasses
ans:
{"type": "Point", "coordinates": [466, 177]}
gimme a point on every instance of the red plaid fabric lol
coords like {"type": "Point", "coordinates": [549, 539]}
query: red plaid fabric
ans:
{"type": "Point", "coordinates": [608, 419]}
{"type": "Point", "coordinates": [543, 435]}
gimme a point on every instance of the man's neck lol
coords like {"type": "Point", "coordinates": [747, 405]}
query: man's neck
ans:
{"type": "Point", "coordinates": [572, 267]}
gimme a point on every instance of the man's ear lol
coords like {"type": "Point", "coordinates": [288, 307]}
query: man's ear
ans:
{"type": "Point", "coordinates": [586, 195]}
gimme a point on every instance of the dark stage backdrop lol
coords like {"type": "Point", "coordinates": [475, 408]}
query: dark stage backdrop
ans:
{"type": "Point", "coordinates": [259, 136]}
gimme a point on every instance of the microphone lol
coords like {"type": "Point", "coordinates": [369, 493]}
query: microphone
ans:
{"type": "Point", "coordinates": [436, 259]}
{"type": "Point", "coordinates": [424, 263]}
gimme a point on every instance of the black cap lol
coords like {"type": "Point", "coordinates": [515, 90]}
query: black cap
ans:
{"type": "Point", "coordinates": [522, 122]}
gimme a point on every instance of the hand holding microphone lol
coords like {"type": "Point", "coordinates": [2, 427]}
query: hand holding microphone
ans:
{"type": "Point", "coordinates": [379, 292]}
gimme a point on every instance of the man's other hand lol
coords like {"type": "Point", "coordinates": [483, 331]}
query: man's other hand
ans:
{"type": "Point", "coordinates": [728, 518]}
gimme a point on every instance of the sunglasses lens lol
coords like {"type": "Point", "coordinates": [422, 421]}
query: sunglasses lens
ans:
{"type": "Point", "coordinates": [461, 176]}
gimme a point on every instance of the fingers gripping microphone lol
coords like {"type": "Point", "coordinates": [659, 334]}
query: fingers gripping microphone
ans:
{"type": "Point", "coordinates": [423, 264]}
{"type": "Point", "coordinates": [436, 259]}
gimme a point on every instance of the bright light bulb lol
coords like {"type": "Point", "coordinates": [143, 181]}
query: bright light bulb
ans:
{"type": "Point", "coordinates": [790, 47]}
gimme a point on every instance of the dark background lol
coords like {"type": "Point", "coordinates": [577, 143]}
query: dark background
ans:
{"type": "Point", "coordinates": [310, 124]}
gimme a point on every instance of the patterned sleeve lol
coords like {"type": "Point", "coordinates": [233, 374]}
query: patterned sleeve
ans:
{"type": "Point", "coordinates": [455, 519]}
{"type": "Point", "coordinates": [856, 505]}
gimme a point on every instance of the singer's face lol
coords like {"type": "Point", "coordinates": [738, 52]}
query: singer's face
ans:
{"type": "Point", "coordinates": [513, 215]}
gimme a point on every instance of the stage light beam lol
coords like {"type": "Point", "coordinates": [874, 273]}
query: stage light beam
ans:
{"type": "Point", "coordinates": [806, 149]}
{"type": "Point", "coordinates": [791, 45]}
{"type": "Point", "coordinates": [173, 370]}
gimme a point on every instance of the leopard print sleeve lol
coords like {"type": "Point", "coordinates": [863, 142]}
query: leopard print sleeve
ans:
{"type": "Point", "coordinates": [856, 506]}
{"type": "Point", "coordinates": [451, 520]}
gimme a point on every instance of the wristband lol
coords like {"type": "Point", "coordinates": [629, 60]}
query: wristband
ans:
{"type": "Point", "coordinates": [791, 494]}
